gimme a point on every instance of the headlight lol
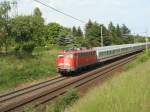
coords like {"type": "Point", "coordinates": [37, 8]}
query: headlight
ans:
{"type": "Point", "coordinates": [60, 64]}
{"type": "Point", "coordinates": [67, 64]}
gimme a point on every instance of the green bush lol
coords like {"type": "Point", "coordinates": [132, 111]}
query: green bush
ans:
{"type": "Point", "coordinates": [141, 59]}
{"type": "Point", "coordinates": [28, 47]}
{"type": "Point", "coordinates": [64, 101]}
{"type": "Point", "coordinates": [30, 109]}
{"type": "Point", "coordinates": [17, 48]}
{"type": "Point", "coordinates": [15, 71]}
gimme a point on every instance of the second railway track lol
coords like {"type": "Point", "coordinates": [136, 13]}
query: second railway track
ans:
{"type": "Point", "coordinates": [46, 91]}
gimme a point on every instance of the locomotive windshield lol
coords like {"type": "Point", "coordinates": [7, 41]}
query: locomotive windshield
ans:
{"type": "Point", "coordinates": [70, 56]}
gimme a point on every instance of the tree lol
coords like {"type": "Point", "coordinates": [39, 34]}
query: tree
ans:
{"type": "Point", "coordinates": [4, 25]}
{"type": "Point", "coordinates": [53, 32]}
{"type": "Point", "coordinates": [77, 32]}
{"type": "Point", "coordinates": [38, 28]}
{"type": "Point", "coordinates": [111, 33]}
{"type": "Point", "coordinates": [22, 28]}
{"type": "Point", "coordinates": [57, 34]}
{"type": "Point", "coordinates": [37, 12]}
{"type": "Point", "coordinates": [119, 36]}
{"type": "Point", "coordinates": [93, 34]}
{"type": "Point", "coordinates": [65, 37]}
{"type": "Point", "coordinates": [115, 34]}
{"type": "Point", "coordinates": [74, 31]}
{"type": "Point", "coordinates": [125, 30]}
{"type": "Point", "coordinates": [88, 26]}
{"type": "Point", "coordinates": [106, 38]}
{"type": "Point", "coordinates": [29, 31]}
{"type": "Point", "coordinates": [22, 32]}
{"type": "Point", "coordinates": [80, 33]}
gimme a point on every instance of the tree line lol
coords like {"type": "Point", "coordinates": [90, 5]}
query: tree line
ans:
{"type": "Point", "coordinates": [26, 32]}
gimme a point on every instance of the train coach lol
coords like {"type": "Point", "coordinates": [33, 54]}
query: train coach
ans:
{"type": "Point", "coordinates": [69, 61]}
{"type": "Point", "coordinates": [108, 52]}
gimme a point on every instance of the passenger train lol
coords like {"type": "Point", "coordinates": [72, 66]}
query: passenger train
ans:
{"type": "Point", "coordinates": [69, 61]}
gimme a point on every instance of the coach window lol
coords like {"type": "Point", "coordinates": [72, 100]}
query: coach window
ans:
{"type": "Point", "coordinates": [108, 52]}
{"type": "Point", "coordinates": [101, 53]}
{"type": "Point", "coordinates": [82, 54]}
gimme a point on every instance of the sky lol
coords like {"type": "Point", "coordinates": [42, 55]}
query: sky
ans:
{"type": "Point", "coordinates": [134, 13]}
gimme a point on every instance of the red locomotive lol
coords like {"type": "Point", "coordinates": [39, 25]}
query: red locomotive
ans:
{"type": "Point", "coordinates": [74, 60]}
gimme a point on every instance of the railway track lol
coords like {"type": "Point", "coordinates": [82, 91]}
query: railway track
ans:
{"type": "Point", "coordinates": [50, 89]}
{"type": "Point", "coordinates": [19, 92]}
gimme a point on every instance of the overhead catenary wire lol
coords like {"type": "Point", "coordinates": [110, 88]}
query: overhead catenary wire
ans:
{"type": "Point", "coordinates": [68, 15]}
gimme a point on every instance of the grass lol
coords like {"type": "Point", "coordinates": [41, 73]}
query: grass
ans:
{"type": "Point", "coordinates": [141, 59]}
{"type": "Point", "coordinates": [15, 71]}
{"type": "Point", "coordinates": [128, 92]}
{"type": "Point", "coordinates": [63, 101]}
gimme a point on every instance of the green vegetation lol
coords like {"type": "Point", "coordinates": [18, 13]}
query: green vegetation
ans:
{"type": "Point", "coordinates": [63, 101]}
{"type": "Point", "coordinates": [15, 71]}
{"type": "Point", "coordinates": [30, 109]}
{"type": "Point", "coordinates": [128, 92]}
{"type": "Point", "coordinates": [141, 59]}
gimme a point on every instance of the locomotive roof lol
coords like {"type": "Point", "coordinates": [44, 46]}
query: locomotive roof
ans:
{"type": "Point", "coordinates": [76, 51]}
